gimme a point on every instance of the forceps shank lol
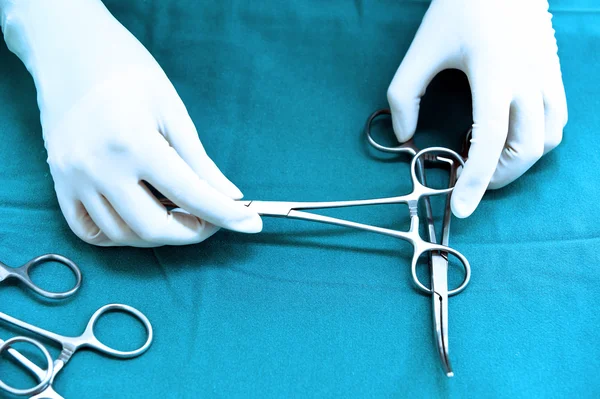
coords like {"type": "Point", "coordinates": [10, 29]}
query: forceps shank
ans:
{"type": "Point", "coordinates": [37, 330]}
{"type": "Point", "coordinates": [69, 345]}
{"type": "Point", "coordinates": [292, 210]}
{"type": "Point", "coordinates": [355, 225]}
{"type": "Point", "coordinates": [283, 208]}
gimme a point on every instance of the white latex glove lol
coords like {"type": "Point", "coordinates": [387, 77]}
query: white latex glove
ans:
{"type": "Point", "coordinates": [508, 51]}
{"type": "Point", "coordinates": [111, 119]}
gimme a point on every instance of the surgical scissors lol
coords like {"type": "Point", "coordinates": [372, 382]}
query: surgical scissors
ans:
{"type": "Point", "coordinates": [22, 274]}
{"type": "Point", "coordinates": [438, 259]}
{"type": "Point", "coordinates": [69, 345]}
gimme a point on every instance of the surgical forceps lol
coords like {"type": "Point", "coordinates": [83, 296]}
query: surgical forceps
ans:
{"type": "Point", "coordinates": [438, 260]}
{"type": "Point", "coordinates": [296, 210]}
{"type": "Point", "coordinates": [69, 345]}
{"type": "Point", "coordinates": [22, 274]}
{"type": "Point", "coordinates": [438, 253]}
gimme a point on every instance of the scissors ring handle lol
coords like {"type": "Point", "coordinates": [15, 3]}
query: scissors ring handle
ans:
{"type": "Point", "coordinates": [23, 272]}
{"type": "Point", "coordinates": [444, 252]}
{"type": "Point", "coordinates": [95, 343]}
{"type": "Point", "coordinates": [408, 147]}
{"type": "Point", "coordinates": [49, 370]}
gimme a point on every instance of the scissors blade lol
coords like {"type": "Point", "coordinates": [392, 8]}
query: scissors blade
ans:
{"type": "Point", "coordinates": [439, 287]}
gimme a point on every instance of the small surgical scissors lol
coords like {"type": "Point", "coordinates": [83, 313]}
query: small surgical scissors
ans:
{"type": "Point", "coordinates": [69, 345]}
{"type": "Point", "coordinates": [438, 259]}
{"type": "Point", "coordinates": [22, 274]}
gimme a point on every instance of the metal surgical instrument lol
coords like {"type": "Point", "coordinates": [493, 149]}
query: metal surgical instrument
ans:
{"type": "Point", "coordinates": [296, 210]}
{"type": "Point", "coordinates": [438, 254]}
{"type": "Point", "coordinates": [438, 259]}
{"type": "Point", "coordinates": [69, 345]}
{"type": "Point", "coordinates": [43, 376]}
{"type": "Point", "coordinates": [22, 274]}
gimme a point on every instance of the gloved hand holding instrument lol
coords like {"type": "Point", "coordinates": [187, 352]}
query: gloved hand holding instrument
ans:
{"type": "Point", "coordinates": [114, 126]}
{"type": "Point", "coordinates": [438, 254]}
{"type": "Point", "coordinates": [508, 51]}
{"type": "Point", "coordinates": [112, 122]}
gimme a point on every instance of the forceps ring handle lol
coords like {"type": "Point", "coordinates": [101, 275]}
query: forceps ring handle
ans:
{"type": "Point", "coordinates": [23, 274]}
{"type": "Point", "coordinates": [89, 338]}
{"type": "Point", "coordinates": [49, 370]}
{"type": "Point", "coordinates": [444, 251]}
{"type": "Point", "coordinates": [407, 147]}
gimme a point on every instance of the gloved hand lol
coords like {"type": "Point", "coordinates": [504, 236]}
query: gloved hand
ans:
{"type": "Point", "coordinates": [508, 51]}
{"type": "Point", "coordinates": [112, 120]}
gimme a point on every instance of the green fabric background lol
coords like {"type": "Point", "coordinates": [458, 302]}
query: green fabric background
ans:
{"type": "Point", "coordinates": [279, 92]}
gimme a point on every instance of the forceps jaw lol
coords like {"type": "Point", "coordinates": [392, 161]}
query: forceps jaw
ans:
{"type": "Point", "coordinates": [270, 208]}
{"type": "Point", "coordinates": [440, 322]}
{"type": "Point", "coordinates": [439, 297]}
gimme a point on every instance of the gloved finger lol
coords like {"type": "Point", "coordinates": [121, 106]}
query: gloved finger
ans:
{"type": "Point", "coordinates": [491, 105]}
{"type": "Point", "coordinates": [525, 143]}
{"type": "Point", "coordinates": [423, 61]}
{"type": "Point", "coordinates": [109, 221]}
{"type": "Point", "coordinates": [151, 221]}
{"type": "Point", "coordinates": [209, 229]}
{"type": "Point", "coordinates": [555, 109]}
{"type": "Point", "coordinates": [179, 130]}
{"type": "Point", "coordinates": [80, 221]}
{"type": "Point", "coordinates": [172, 176]}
